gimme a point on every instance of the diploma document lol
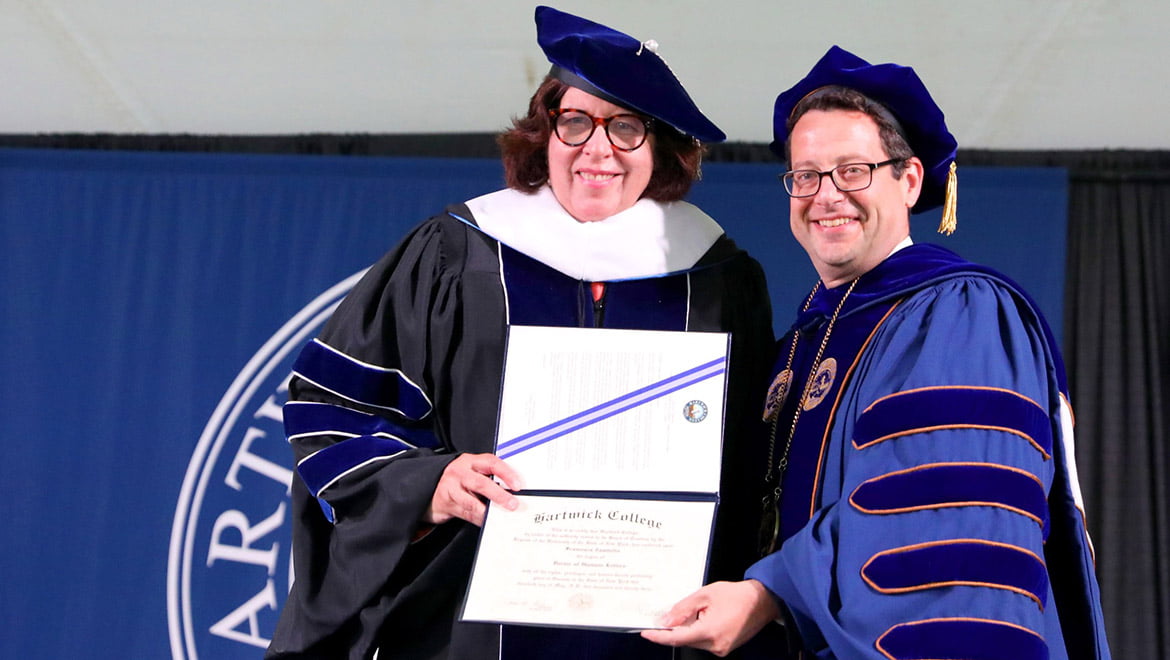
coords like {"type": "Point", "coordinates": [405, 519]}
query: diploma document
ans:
{"type": "Point", "coordinates": [618, 436]}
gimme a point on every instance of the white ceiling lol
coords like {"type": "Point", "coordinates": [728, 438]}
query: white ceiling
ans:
{"type": "Point", "coordinates": [1010, 74]}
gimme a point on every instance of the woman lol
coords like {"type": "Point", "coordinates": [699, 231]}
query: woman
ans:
{"type": "Point", "coordinates": [589, 233]}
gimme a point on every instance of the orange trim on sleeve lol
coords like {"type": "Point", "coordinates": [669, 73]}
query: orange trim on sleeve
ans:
{"type": "Point", "coordinates": [950, 427]}
{"type": "Point", "coordinates": [878, 644]}
{"type": "Point", "coordinates": [952, 583]}
{"type": "Point", "coordinates": [947, 505]}
{"type": "Point", "coordinates": [953, 387]}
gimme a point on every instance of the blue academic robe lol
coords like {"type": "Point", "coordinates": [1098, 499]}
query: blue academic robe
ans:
{"type": "Point", "coordinates": [930, 508]}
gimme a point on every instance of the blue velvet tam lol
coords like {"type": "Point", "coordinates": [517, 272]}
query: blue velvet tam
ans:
{"type": "Point", "coordinates": [620, 69]}
{"type": "Point", "coordinates": [901, 91]}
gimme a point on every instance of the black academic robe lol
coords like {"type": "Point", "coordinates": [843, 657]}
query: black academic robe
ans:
{"type": "Point", "coordinates": [417, 348]}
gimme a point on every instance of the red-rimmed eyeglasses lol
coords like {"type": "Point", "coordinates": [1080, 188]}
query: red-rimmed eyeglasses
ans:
{"type": "Point", "coordinates": [626, 132]}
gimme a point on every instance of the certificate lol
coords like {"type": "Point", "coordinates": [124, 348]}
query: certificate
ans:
{"type": "Point", "coordinates": [586, 409]}
{"type": "Point", "coordinates": [588, 562]}
{"type": "Point", "coordinates": [617, 435]}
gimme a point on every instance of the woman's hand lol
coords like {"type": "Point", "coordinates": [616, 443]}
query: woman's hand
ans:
{"type": "Point", "coordinates": [466, 485]}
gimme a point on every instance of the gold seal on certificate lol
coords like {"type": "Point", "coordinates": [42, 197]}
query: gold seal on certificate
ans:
{"type": "Point", "coordinates": [617, 435]}
{"type": "Point", "coordinates": [581, 601]}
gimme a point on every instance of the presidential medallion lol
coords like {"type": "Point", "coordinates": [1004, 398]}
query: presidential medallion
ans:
{"type": "Point", "coordinates": [822, 382]}
{"type": "Point", "coordinates": [777, 393]}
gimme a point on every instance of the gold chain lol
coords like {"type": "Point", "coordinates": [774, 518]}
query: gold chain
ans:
{"type": "Point", "coordinates": [787, 383]}
{"type": "Point", "coordinates": [771, 503]}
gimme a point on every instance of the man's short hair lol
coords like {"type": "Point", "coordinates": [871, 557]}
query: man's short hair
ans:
{"type": "Point", "coordinates": [836, 97]}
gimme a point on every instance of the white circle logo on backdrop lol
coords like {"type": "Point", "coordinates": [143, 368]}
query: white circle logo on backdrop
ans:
{"type": "Point", "coordinates": [229, 568]}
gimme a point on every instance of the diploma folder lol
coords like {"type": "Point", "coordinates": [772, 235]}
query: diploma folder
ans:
{"type": "Point", "coordinates": [618, 437]}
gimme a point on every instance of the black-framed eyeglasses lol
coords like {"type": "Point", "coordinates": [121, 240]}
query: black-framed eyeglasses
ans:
{"type": "Point", "coordinates": [626, 132]}
{"type": "Point", "coordinates": [848, 177]}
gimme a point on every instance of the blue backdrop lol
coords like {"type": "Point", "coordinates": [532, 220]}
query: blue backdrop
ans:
{"type": "Point", "coordinates": [150, 307]}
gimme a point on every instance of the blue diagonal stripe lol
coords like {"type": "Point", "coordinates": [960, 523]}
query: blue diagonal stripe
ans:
{"type": "Point", "coordinates": [610, 408]}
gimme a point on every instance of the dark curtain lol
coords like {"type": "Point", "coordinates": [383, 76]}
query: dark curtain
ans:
{"type": "Point", "coordinates": [1116, 335]}
{"type": "Point", "coordinates": [1117, 339]}
{"type": "Point", "coordinates": [1117, 351]}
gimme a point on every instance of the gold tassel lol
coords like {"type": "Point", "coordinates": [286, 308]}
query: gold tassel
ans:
{"type": "Point", "coordinates": [950, 219]}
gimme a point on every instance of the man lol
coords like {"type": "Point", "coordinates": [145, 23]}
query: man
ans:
{"type": "Point", "coordinates": [920, 455]}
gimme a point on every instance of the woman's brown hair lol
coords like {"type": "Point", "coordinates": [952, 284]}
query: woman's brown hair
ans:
{"type": "Point", "coordinates": [524, 147]}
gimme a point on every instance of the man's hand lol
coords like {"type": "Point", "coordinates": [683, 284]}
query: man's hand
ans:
{"type": "Point", "coordinates": [465, 485]}
{"type": "Point", "coordinates": [718, 618]}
